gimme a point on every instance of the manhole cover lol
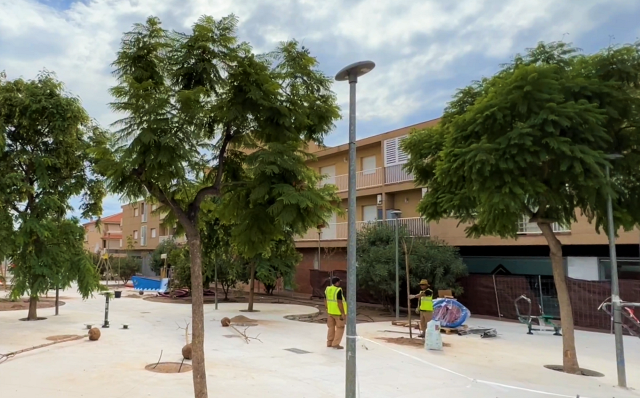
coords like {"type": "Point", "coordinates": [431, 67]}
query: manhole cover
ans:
{"type": "Point", "coordinates": [168, 367]}
{"type": "Point", "coordinates": [583, 372]}
{"type": "Point", "coordinates": [61, 337]}
{"type": "Point", "coordinates": [297, 351]}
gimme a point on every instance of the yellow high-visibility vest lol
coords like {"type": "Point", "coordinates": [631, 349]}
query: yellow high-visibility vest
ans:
{"type": "Point", "coordinates": [331, 293]}
{"type": "Point", "coordinates": [426, 302]}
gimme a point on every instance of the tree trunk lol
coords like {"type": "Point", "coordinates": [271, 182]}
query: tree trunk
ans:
{"type": "Point", "coordinates": [252, 282]}
{"type": "Point", "coordinates": [33, 309]}
{"type": "Point", "coordinates": [197, 316]}
{"type": "Point", "coordinates": [569, 357]}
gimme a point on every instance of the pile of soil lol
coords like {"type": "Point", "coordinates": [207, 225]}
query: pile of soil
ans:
{"type": "Point", "coordinates": [23, 304]}
{"type": "Point", "coordinates": [242, 320]}
{"type": "Point", "coordinates": [169, 367]}
{"type": "Point", "coordinates": [405, 341]}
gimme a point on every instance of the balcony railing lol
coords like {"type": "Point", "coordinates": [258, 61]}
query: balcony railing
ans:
{"type": "Point", "coordinates": [370, 178]}
{"type": "Point", "coordinates": [415, 226]}
{"type": "Point", "coordinates": [395, 174]}
{"type": "Point", "coordinates": [527, 228]}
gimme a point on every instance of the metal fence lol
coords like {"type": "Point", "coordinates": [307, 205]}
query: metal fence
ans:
{"type": "Point", "coordinates": [494, 295]}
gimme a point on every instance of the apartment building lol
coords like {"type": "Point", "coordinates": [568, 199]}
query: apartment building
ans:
{"type": "Point", "coordinates": [385, 190]}
{"type": "Point", "coordinates": [143, 229]}
{"type": "Point", "coordinates": [106, 236]}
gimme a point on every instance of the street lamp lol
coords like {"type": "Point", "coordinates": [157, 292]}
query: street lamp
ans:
{"type": "Point", "coordinates": [351, 73]}
{"type": "Point", "coordinates": [615, 286]}
{"type": "Point", "coordinates": [396, 215]}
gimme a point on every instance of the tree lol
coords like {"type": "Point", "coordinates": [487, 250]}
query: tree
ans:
{"type": "Point", "coordinates": [46, 143]}
{"type": "Point", "coordinates": [165, 247]}
{"type": "Point", "coordinates": [279, 265]}
{"type": "Point", "coordinates": [198, 109]}
{"type": "Point", "coordinates": [128, 267]}
{"type": "Point", "coordinates": [429, 259]}
{"type": "Point", "coordinates": [532, 141]}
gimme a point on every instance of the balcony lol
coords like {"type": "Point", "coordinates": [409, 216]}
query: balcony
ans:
{"type": "Point", "coordinates": [415, 226]}
{"type": "Point", "coordinates": [178, 239]}
{"type": "Point", "coordinates": [370, 178]}
{"type": "Point", "coordinates": [529, 228]}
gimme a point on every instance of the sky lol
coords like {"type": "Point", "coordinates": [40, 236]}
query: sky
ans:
{"type": "Point", "coordinates": [424, 50]}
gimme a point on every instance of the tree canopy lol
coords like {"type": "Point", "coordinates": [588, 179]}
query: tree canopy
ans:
{"type": "Point", "coordinates": [199, 109]}
{"type": "Point", "coordinates": [46, 158]}
{"type": "Point", "coordinates": [534, 141]}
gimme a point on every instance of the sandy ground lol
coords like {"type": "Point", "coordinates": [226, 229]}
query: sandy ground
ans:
{"type": "Point", "coordinates": [508, 366]}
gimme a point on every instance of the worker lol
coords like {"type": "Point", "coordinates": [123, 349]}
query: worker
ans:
{"type": "Point", "coordinates": [425, 306]}
{"type": "Point", "coordinates": [336, 305]}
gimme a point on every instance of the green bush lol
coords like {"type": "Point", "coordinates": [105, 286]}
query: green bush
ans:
{"type": "Point", "coordinates": [428, 259]}
{"type": "Point", "coordinates": [126, 267]}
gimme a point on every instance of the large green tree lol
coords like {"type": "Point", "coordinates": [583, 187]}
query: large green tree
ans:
{"type": "Point", "coordinates": [199, 108]}
{"type": "Point", "coordinates": [46, 144]}
{"type": "Point", "coordinates": [428, 259]}
{"type": "Point", "coordinates": [533, 141]}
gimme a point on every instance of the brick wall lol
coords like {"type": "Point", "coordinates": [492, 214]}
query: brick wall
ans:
{"type": "Point", "coordinates": [330, 260]}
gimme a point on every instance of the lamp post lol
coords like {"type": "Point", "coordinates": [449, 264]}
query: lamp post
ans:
{"type": "Point", "coordinates": [396, 214]}
{"type": "Point", "coordinates": [351, 73]}
{"type": "Point", "coordinates": [615, 286]}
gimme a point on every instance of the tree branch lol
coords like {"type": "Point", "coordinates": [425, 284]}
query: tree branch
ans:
{"type": "Point", "coordinates": [162, 196]}
{"type": "Point", "coordinates": [214, 190]}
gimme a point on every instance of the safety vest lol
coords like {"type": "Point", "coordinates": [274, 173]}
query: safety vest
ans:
{"type": "Point", "coordinates": [331, 293]}
{"type": "Point", "coordinates": [426, 302]}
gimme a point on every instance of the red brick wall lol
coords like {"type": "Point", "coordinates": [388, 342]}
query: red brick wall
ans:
{"type": "Point", "coordinates": [330, 260]}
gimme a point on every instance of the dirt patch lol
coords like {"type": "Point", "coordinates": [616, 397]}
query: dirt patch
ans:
{"type": "Point", "coordinates": [22, 304]}
{"type": "Point", "coordinates": [242, 320]}
{"type": "Point", "coordinates": [29, 320]}
{"type": "Point", "coordinates": [133, 296]}
{"type": "Point", "coordinates": [583, 372]}
{"type": "Point", "coordinates": [61, 337]}
{"type": "Point", "coordinates": [169, 367]}
{"type": "Point", "coordinates": [405, 341]}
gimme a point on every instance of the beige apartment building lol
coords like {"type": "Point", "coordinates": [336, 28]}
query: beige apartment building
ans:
{"type": "Point", "coordinates": [385, 190]}
{"type": "Point", "coordinates": [107, 236]}
{"type": "Point", "coordinates": [142, 228]}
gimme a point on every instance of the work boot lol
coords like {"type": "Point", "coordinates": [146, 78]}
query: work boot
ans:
{"type": "Point", "coordinates": [338, 347]}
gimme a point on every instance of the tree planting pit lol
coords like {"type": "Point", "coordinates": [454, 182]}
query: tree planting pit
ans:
{"type": "Point", "coordinates": [583, 372]}
{"type": "Point", "coordinates": [169, 367]}
{"type": "Point", "coordinates": [29, 320]}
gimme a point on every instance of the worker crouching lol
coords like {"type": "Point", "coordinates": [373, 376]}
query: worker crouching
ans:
{"type": "Point", "coordinates": [425, 307]}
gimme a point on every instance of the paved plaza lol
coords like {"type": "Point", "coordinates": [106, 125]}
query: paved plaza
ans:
{"type": "Point", "coordinates": [510, 365]}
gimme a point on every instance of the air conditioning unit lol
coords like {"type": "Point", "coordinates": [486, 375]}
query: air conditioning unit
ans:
{"type": "Point", "coordinates": [379, 201]}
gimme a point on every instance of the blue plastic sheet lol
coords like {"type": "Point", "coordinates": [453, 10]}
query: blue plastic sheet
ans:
{"type": "Point", "coordinates": [450, 313]}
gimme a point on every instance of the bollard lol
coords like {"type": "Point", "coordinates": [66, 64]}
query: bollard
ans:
{"type": "Point", "coordinates": [106, 310]}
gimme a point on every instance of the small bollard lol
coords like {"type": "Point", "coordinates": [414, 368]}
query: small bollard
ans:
{"type": "Point", "coordinates": [88, 325]}
{"type": "Point", "coordinates": [107, 296]}
{"type": "Point", "coordinates": [125, 326]}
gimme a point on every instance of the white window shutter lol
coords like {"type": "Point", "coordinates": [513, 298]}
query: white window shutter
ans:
{"type": "Point", "coordinates": [143, 235]}
{"type": "Point", "coordinates": [403, 157]}
{"type": "Point", "coordinates": [390, 152]}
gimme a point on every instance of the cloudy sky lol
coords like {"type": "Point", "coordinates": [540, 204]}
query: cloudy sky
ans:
{"type": "Point", "coordinates": [424, 49]}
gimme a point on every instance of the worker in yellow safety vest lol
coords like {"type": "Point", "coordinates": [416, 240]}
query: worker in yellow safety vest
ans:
{"type": "Point", "coordinates": [336, 305]}
{"type": "Point", "coordinates": [425, 307]}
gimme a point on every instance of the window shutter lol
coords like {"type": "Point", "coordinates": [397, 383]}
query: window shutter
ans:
{"type": "Point", "coordinates": [390, 152]}
{"type": "Point", "coordinates": [143, 235]}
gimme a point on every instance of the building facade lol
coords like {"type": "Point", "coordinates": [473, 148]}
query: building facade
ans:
{"type": "Point", "coordinates": [106, 236]}
{"type": "Point", "coordinates": [143, 229]}
{"type": "Point", "coordinates": [385, 190]}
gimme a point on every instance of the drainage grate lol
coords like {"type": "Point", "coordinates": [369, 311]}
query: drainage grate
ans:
{"type": "Point", "coordinates": [230, 336]}
{"type": "Point", "coordinates": [297, 351]}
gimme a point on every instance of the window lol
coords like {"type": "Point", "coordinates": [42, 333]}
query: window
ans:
{"type": "Point", "coordinates": [329, 175]}
{"type": "Point", "coordinates": [153, 232]}
{"type": "Point", "coordinates": [136, 212]}
{"type": "Point", "coordinates": [393, 154]}
{"type": "Point", "coordinates": [120, 242]}
{"type": "Point", "coordinates": [86, 237]}
{"type": "Point", "coordinates": [135, 234]}
{"type": "Point", "coordinates": [369, 165]}
{"type": "Point", "coordinates": [143, 211]}
{"type": "Point", "coordinates": [143, 235]}
{"type": "Point", "coordinates": [369, 213]}
{"type": "Point", "coordinates": [525, 227]}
